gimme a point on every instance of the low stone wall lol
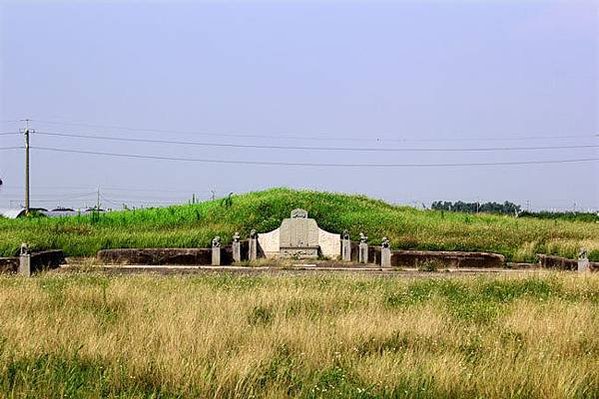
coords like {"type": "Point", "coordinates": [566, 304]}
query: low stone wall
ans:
{"type": "Point", "coordinates": [46, 260]}
{"type": "Point", "coordinates": [9, 265]}
{"type": "Point", "coordinates": [156, 256]}
{"type": "Point", "coordinates": [557, 262]}
{"type": "Point", "coordinates": [454, 259]}
{"type": "Point", "coordinates": [168, 256]}
{"type": "Point", "coordinates": [412, 258]}
{"type": "Point", "coordinates": [39, 261]}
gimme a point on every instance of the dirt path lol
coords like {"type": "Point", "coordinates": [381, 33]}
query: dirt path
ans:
{"type": "Point", "coordinates": [302, 269]}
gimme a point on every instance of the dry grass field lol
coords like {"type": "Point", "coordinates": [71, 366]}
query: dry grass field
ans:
{"type": "Point", "coordinates": [330, 336]}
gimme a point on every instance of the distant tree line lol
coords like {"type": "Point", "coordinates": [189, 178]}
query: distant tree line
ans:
{"type": "Point", "coordinates": [571, 216]}
{"type": "Point", "coordinates": [507, 208]}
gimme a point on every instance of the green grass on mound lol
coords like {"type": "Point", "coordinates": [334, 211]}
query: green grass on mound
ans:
{"type": "Point", "coordinates": [519, 239]}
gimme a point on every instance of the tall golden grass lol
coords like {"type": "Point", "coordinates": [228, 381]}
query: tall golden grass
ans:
{"type": "Point", "coordinates": [526, 336]}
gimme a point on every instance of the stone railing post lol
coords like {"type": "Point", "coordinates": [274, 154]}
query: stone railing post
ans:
{"type": "Point", "coordinates": [253, 246]}
{"type": "Point", "coordinates": [583, 261]}
{"type": "Point", "coordinates": [25, 261]}
{"type": "Point", "coordinates": [236, 248]}
{"type": "Point", "coordinates": [363, 249]}
{"type": "Point", "coordinates": [345, 247]}
{"type": "Point", "coordinates": [216, 251]}
{"type": "Point", "coordinates": [385, 253]}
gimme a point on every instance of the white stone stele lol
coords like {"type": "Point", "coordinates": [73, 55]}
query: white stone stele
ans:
{"type": "Point", "coordinates": [269, 242]}
{"type": "Point", "coordinates": [329, 243]}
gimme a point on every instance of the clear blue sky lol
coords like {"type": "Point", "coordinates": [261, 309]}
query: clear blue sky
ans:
{"type": "Point", "coordinates": [444, 74]}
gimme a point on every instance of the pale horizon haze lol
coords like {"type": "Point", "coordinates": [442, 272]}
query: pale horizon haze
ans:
{"type": "Point", "coordinates": [511, 85]}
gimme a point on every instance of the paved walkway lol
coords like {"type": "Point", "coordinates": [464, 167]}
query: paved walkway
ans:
{"type": "Point", "coordinates": [295, 269]}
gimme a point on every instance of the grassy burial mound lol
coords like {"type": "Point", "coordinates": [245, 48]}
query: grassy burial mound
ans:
{"type": "Point", "coordinates": [333, 336]}
{"type": "Point", "coordinates": [519, 239]}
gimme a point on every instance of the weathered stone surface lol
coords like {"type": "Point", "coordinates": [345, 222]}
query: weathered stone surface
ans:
{"type": "Point", "coordinates": [558, 262]}
{"type": "Point", "coordinates": [330, 244]}
{"type": "Point", "coordinates": [25, 265]}
{"type": "Point", "coordinates": [583, 261]}
{"type": "Point", "coordinates": [253, 249]}
{"type": "Point", "coordinates": [299, 253]}
{"type": "Point", "coordinates": [236, 247]}
{"type": "Point", "coordinates": [236, 250]}
{"type": "Point", "coordinates": [269, 243]}
{"type": "Point", "coordinates": [215, 261]}
{"type": "Point", "coordinates": [156, 256]}
{"type": "Point", "coordinates": [346, 250]}
{"type": "Point", "coordinates": [299, 214]}
{"type": "Point", "coordinates": [584, 265]}
{"type": "Point", "coordinates": [216, 251]}
{"type": "Point", "coordinates": [454, 259]}
{"type": "Point", "coordinates": [9, 265]}
{"type": "Point", "coordinates": [298, 233]}
{"type": "Point", "coordinates": [385, 257]}
{"type": "Point", "coordinates": [41, 260]}
{"type": "Point", "coordinates": [299, 237]}
{"type": "Point", "coordinates": [363, 253]}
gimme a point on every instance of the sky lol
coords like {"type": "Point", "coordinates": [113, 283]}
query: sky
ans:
{"type": "Point", "coordinates": [402, 90]}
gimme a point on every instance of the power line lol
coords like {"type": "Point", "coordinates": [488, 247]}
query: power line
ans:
{"type": "Point", "coordinates": [310, 164]}
{"type": "Point", "coordinates": [9, 133]}
{"type": "Point", "coordinates": [188, 191]}
{"type": "Point", "coordinates": [312, 148]}
{"type": "Point", "coordinates": [115, 201]}
{"type": "Point", "coordinates": [60, 198]}
{"type": "Point", "coordinates": [312, 137]}
{"type": "Point", "coordinates": [11, 148]}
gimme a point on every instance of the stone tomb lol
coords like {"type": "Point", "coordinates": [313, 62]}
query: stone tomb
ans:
{"type": "Point", "coordinates": [300, 237]}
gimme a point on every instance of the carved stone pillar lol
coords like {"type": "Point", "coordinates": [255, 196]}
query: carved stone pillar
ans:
{"type": "Point", "coordinates": [583, 261]}
{"type": "Point", "coordinates": [385, 253]}
{"type": "Point", "coordinates": [253, 246]}
{"type": "Point", "coordinates": [345, 247]}
{"type": "Point", "coordinates": [25, 261]}
{"type": "Point", "coordinates": [363, 249]}
{"type": "Point", "coordinates": [236, 248]}
{"type": "Point", "coordinates": [216, 251]}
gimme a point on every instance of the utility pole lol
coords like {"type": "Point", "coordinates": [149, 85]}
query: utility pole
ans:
{"type": "Point", "coordinates": [98, 200]}
{"type": "Point", "coordinates": [26, 132]}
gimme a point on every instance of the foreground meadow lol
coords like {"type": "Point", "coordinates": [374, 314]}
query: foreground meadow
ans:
{"type": "Point", "coordinates": [330, 336]}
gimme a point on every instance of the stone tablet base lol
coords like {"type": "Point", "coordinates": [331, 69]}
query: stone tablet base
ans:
{"type": "Point", "coordinates": [299, 253]}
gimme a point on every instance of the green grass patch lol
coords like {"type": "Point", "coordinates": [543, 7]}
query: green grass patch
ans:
{"type": "Point", "coordinates": [519, 239]}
